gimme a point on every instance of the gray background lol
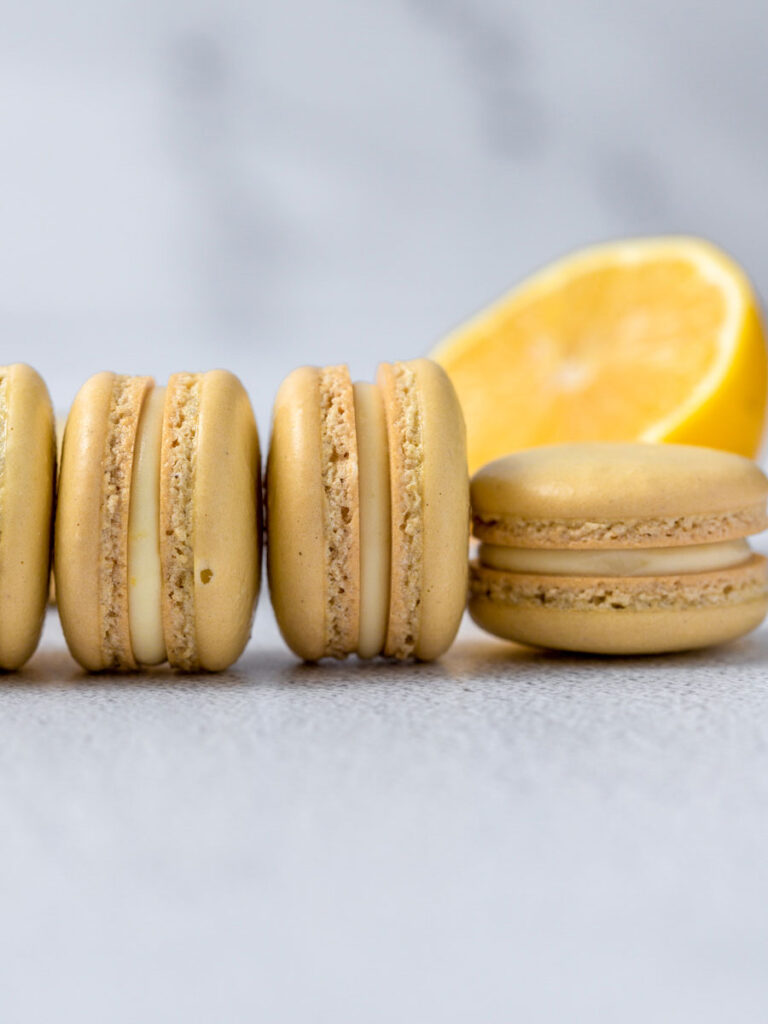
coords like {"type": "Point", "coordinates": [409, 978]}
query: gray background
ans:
{"type": "Point", "coordinates": [503, 835]}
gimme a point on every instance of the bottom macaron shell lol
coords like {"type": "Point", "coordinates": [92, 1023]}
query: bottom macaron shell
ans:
{"type": "Point", "coordinates": [619, 632]}
{"type": "Point", "coordinates": [652, 614]}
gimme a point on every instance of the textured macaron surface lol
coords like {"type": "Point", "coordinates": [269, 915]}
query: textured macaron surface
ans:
{"type": "Point", "coordinates": [745, 582]}
{"type": "Point", "coordinates": [127, 397]}
{"type": "Point", "coordinates": [340, 472]}
{"type": "Point", "coordinates": [618, 495]}
{"type": "Point", "coordinates": [403, 411]}
{"type": "Point", "coordinates": [177, 491]}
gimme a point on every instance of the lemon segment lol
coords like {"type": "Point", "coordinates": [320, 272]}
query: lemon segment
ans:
{"type": "Point", "coordinates": [648, 339]}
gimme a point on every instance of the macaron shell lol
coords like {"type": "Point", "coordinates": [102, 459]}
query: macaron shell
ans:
{"type": "Point", "coordinates": [227, 521]}
{"type": "Point", "coordinates": [445, 511]}
{"type": "Point", "coordinates": [26, 501]}
{"type": "Point", "coordinates": [621, 615]}
{"type": "Point", "coordinates": [92, 511]}
{"type": "Point", "coordinates": [77, 544]}
{"type": "Point", "coordinates": [618, 494]}
{"type": "Point", "coordinates": [295, 515]}
{"type": "Point", "coordinates": [619, 632]}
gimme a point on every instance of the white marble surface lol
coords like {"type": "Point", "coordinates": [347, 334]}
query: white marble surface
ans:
{"type": "Point", "coordinates": [188, 183]}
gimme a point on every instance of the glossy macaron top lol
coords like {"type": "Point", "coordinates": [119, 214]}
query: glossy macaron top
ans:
{"type": "Point", "coordinates": [614, 494]}
{"type": "Point", "coordinates": [27, 469]}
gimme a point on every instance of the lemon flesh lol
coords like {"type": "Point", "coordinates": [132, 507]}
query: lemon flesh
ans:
{"type": "Point", "coordinates": [648, 339]}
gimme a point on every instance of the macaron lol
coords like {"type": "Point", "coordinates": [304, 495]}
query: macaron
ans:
{"type": "Point", "coordinates": [368, 512]}
{"type": "Point", "coordinates": [158, 522]}
{"type": "Point", "coordinates": [616, 548]}
{"type": "Point", "coordinates": [27, 472]}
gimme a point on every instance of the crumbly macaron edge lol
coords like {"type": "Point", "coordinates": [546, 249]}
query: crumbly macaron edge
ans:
{"type": "Point", "coordinates": [406, 448]}
{"type": "Point", "coordinates": [739, 584]}
{"type": "Point", "coordinates": [341, 527]}
{"type": "Point", "coordinates": [518, 531]}
{"type": "Point", "coordinates": [116, 473]}
{"type": "Point", "coordinates": [177, 484]}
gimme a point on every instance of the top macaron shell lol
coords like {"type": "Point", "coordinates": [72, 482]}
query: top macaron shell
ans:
{"type": "Point", "coordinates": [27, 474]}
{"type": "Point", "coordinates": [617, 494]}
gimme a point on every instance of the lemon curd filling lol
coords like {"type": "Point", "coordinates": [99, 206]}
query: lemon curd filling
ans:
{"type": "Point", "coordinates": [617, 562]}
{"type": "Point", "coordinates": [375, 517]}
{"type": "Point", "coordinates": [145, 613]}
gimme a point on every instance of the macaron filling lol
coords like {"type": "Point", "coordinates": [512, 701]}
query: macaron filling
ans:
{"type": "Point", "coordinates": [693, 558]}
{"type": "Point", "coordinates": [375, 518]}
{"type": "Point", "coordinates": [145, 579]}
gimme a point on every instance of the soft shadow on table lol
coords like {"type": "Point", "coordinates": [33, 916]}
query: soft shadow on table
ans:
{"type": "Point", "coordinates": [257, 668]}
{"type": "Point", "coordinates": [470, 657]}
{"type": "Point", "coordinates": [55, 669]}
{"type": "Point", "coordinates": [481, 655]}
{"type": "Point", "coordinates": [354, 672]}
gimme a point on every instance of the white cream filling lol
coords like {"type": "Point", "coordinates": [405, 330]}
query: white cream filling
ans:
{"type": "Point", "coordinates": [617, 562]}
{"type": "Point", "coordinates": [375, 513]}
{"type": "Point", "coordinates": [145, 613]}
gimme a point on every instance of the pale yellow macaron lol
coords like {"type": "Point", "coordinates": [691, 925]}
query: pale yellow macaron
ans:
{"type": "Point", "coordinates": [158, 524]}
{"type": "Point", "coordinates": [368, 512]}
{"type": "Point", "coordinates": [27, 472]}
{"type": "Point", "coordinates": [616, 548]}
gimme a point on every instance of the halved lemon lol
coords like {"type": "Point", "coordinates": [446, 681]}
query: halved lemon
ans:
{"type": "Point", "coordinates": [655, 339]}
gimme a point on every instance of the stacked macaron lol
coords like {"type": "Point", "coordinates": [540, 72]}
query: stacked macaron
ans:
{"type": "Point", "coordinates": [368, 512]}
{"type": "Point", "coordinates": [619, 548]}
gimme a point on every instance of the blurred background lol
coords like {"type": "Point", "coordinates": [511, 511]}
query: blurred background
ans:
{"type": "Point", "coordinates": [256, 185]}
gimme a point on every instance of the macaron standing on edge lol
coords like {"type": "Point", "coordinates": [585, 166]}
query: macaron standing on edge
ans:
{"type": "Point", "coordinates": [27, 474]}
{"type": "Point", "coordinates": [614, 548]}
{"type": "Point", "coordinates": [368, 512]}
{"type": "Point", "coordinates": [158, 523]}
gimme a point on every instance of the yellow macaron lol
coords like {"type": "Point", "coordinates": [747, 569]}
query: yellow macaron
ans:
{"type": "Point", "coordinates": [617, 548]}
{"type": "Point", "coordinates": [158, 523]}
{"type": "Point", "coordinates": [27, 472]}
{"type": "Point", "coordinates": [368, 512]}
